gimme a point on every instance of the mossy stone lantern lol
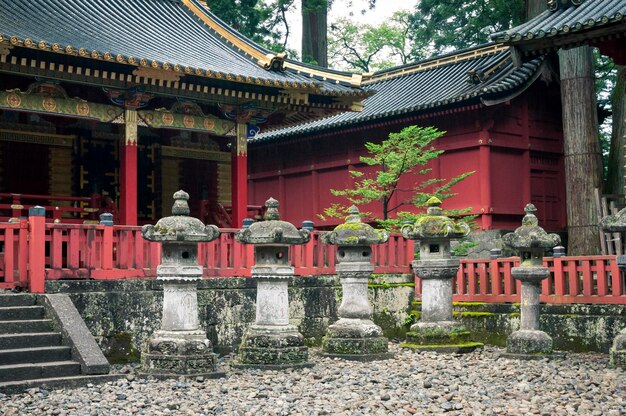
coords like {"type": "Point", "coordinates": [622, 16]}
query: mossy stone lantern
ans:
{"type": "Point", "coordinates": [530, 242]}
{"type": "Point", "coordinates": [354, 336]}
{"type": "Point", "coordinates": [271, 342]}
{"type": "Point", "coordinates": [617, 224]}
{"type": "Point", "coordinates": [436, 329]}
{"type": "Point", "coordinates": [180, 346]}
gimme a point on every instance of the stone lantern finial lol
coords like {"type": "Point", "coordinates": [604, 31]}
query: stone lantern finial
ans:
{"type": "Point", "coordinates": [181, 206]}
{"type": "Point", "coordinates": [271, 212]}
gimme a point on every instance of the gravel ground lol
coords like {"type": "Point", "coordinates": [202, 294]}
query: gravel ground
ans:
{"type": "Point", "coordinates": [480, 383]}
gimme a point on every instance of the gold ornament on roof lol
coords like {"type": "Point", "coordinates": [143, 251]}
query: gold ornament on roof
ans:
{"type": "Point", "coordinates": [95, 54]}
{"type": "Point", "coordinates": [119, 58]}
{"type": "Point", "coordinates": [187, 70]}
{"type": "Point", "coordinates": [14, 40]}
{"type": "Point", "coordinates": [82, 52]}
{"type": "Point", "coordinates": [56, 47]}
{"type": "Point", "coordinates": [154, 64]}
{"type": "Point", "coordinates": [177, 68]}
{"type": "Point", "coordinates": [108, 56]}
{"type": "Point", "coordinates": [143, 62]}
{"type": "Point", "coordinates": [198, 71]}
{"type": "Point", "coordinates": [69, 49]}
{"type": "Point", "coordinates": [132, 60]}
{"type": "Point", "coordinates": [28, 42]}
{"type": "Point", "coordinates": [41, 44]}
{"type": "Point", "coordinates": [166, 66]}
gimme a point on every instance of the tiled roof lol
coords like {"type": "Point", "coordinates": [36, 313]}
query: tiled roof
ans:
{"type": "Point", "coordinates": [486, 72]}
{"type": "Point", "coordinates": [590, 14]}
{"type": "Point", "coordinates": [177, 35]}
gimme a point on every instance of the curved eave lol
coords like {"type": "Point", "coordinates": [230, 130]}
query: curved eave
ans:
{"type": "Point", "coordinates": [501, 88]}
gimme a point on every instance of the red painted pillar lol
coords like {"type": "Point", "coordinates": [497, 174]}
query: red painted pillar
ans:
{"type": "Point", "coordinates": [128, 170]}
{"type": "Point", "coordinates": [485, 181]}
{"type": "Point", "coordinates": [37, 250]}
{"type": "Point", "coordinates": [239, 190]}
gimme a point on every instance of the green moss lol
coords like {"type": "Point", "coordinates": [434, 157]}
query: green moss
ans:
{"type": "Point", "coordinates": [473, 314]}
{"type": "Point", "coordinates": [385, 285]}
{"type": "Point", "coordinates": [121, 350]}
{"type": "Point", "coordinates": [416, 303]}
{"type": "Point", "coordinates": [464, 347]}
{"type": "Point", "coordinates": [515, 315]}
{"type": "Point", "coordinates": [469, 303]}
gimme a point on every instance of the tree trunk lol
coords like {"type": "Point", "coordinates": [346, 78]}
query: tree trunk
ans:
{"type": "Point", "coordinates": [616, 169]}
{"type": "Point", "coordinates": [535, 7]}
{"type": "Point", "coordinates": [581, 148]}
{"type": "Point", "coordinates": [314, 34]}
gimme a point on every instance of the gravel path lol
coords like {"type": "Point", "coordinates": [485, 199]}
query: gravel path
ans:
{"type": "Point", "coordinates": [480, 383]}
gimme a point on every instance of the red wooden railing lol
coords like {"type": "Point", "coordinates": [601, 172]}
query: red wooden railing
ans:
{"type": "Point", "coordinates": [77, 210]}
{"type": "Point", "coordinates": [80, 251]}
{"type": "Point", "coordinates": [32, 251]}
{"type": "Point", "coordinates": [579, 279]}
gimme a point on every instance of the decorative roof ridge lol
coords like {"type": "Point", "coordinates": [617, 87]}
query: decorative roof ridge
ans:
{"type": "Point", "coordinates": [264, 57]}
{"type": "Point", "coordinates": [436, 62]}
{"type": "Point", "coordinates": [531, 30]}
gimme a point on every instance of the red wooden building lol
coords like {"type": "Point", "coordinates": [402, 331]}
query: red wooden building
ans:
{"type": "Point", "coordinates": [502, 122]}
{"type": "Point", "coordinates": [111, 105]}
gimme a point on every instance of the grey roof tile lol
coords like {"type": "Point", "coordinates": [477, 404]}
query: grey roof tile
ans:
{"type": "Point", "coordinates": [426, 86]}
{"type": "Point", "coordinates": [175, 32]}
{"type": "Point", "coordinates": [590, 13]}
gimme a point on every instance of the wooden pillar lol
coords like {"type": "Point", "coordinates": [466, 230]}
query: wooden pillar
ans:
{"type": "Point", "coordinates": [484, 168]}
{"type": "Point", "coordinates": [37, 250]}
{"type": "Point", "coordinates": [239, 182]}
{"type": "Point", "coordinates": [581, 149]}
{"type": "Point", "coordinates": [128, 170]}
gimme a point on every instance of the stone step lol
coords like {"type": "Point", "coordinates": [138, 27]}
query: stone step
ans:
{"type": "Point", "coordinates": [20, 386]}
{"type": "Point", "coordinates": [17, 300]}
{"type": "Point", "coordinates": [30, 340]}
{"type": "Point", "coordinates": [35, 355]}
{"type": "Point", "coordinates": [12, 313]}
{"type": "Point", "coordinates": [52, 369]}
{"type": "Point", "coordinates": [438, 338]}
{"type": "Point", "coordinates": [25, 326]}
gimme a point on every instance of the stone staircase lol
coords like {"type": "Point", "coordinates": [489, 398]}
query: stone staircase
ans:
{"type": "Point", "coordinates": [33, 349]}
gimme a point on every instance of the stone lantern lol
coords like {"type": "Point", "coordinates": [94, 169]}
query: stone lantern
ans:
{"type": "Point", "coordinates": [530, 242]}
{"type": "Point", "coordinates": [354, 336]}
{"type": "Point", "coordinates": [271, 342]}
{"type": "Point", "coordinates": [180, 346]}
{"type": "Point", "coordinates": [436, 330]}
{"type": "Point", "coordinates": [617, 224]}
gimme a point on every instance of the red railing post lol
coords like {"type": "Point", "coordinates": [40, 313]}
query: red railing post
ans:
{"type": "Point", "coordinates": [37, 250]}
{"type": "Point", "coordinates": [106, 219]}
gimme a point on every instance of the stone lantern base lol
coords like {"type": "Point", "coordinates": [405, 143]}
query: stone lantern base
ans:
{"type": "Point", "coordinates": [617, 353]}
{"type": "Point", "coordinates": [273, 347]}
{"type": "Point", "coordinates": [356, 339]}
{"type": "Point", "coordinates": [175, 353]}
{"type": "Point", "coordinates": [442, 336]}
{"type": "Point", "coordinates": [529, 344]}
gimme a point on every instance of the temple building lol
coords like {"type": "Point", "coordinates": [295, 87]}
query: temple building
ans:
{"type": "Point", "coordinates": [501, 121]}
{"type": "Point", "coordinates": [114, 105]}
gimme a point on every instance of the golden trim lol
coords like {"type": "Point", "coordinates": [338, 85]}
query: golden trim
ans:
{"type": "Point", "coordinates": [50, 139]}
{"type": "Point", "coordinates": [199, 154]}
{"type": "Point", "coordinates": [435, 63]}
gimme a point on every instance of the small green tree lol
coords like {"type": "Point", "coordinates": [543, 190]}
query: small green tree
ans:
{"type": "Point", "coordinates": [406, 152]}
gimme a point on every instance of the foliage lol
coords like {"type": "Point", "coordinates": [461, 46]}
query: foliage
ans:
{"type": "Point", "coordinates": [261, 21]}
{"type": "Point", "coordinates": [365, 48]}
{"type": "Point", "coordinates": [458, 24]}
{"type": "Point", "coordinates": [406, 152]}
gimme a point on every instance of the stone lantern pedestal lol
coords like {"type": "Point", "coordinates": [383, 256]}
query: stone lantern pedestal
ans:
{"type": "Point", "coordinates": [272, 342]}
{"type": "Point", "coordinates": [180, 346]}
{"type": "Point", "coordinates": [531, 242]}
{"type": "Point", "coordinates": [354, 336]}
{"type": "Point", "coordinates": [436, 330]}
{"type": "Point", "coordinates": [617, 224]}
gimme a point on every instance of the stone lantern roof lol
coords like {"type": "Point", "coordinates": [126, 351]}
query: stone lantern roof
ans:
{"type": "Point", "coordinates": [180, 226]}
{"type": "Point", "coordinates": [354, 232]}
{"type": "Point", "coordinates": [272, 231]}
{"type": "Point", "coordinates": [434, 225]}
{"type": "Point", "coordinates": [614, 223]}
{"type": "Point", "coordinates": [530, 234]}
